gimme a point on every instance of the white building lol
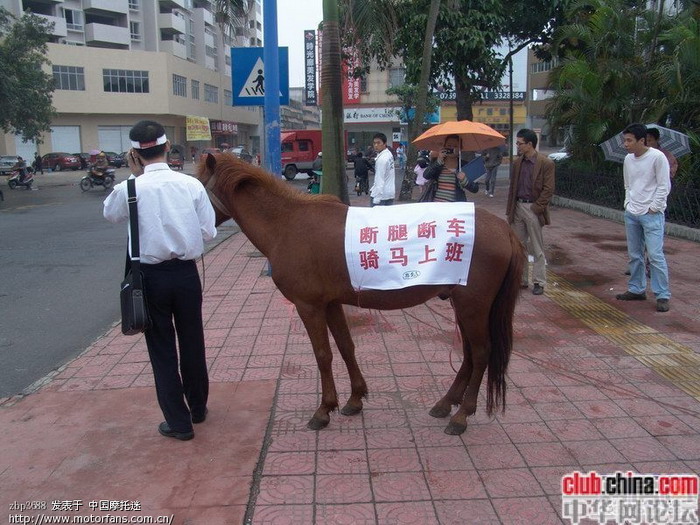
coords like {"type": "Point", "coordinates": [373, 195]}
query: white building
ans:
{"type": "Point", "coordinates": [119, 61]}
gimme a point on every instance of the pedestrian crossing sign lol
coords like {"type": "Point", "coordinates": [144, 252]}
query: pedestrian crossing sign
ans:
{"type": "Point", "coordinates": [248, 76]}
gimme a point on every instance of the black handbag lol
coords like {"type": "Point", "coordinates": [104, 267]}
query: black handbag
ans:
{"type": "Point", "coordinates": [135, 317]}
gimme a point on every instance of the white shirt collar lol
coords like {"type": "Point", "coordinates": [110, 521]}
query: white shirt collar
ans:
{"type": "Point", "coordinates": [157, 166]}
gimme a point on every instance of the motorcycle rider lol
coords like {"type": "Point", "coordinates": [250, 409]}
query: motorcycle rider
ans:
{"type": "Point", "coordinates": [362, 168]}
{"type": "Point", "coordinates": [22, 167]}
{"type": "Point", "coordinates": [99, 168]}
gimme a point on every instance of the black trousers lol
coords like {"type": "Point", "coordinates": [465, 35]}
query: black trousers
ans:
{"type": "Point", "coordinates": [174, 298]}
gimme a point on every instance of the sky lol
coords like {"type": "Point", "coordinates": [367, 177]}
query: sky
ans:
{"type": "Point", "coordinates": [293, 17]}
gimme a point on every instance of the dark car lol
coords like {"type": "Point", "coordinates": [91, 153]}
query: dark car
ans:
{"type": "Point", "coordinates": [115, 159]}
{"type": "Point", "coordinates": [241, 153]}
{"type": "Point", "coordinates": [60, 161]}
{"type": "Point", "coordinates": [8, 163]}
{"type": "Point", "coordinates": [84, 159]}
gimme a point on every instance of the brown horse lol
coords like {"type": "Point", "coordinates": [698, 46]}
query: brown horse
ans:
{"type": "Point", "coordinates": [303, 235]}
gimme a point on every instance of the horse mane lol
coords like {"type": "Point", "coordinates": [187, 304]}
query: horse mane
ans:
{"type": "Point", "coordinates": [235, 174]}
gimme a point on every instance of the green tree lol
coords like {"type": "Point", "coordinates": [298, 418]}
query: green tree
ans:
{"type": "Point", "coordinates": [25, 88]}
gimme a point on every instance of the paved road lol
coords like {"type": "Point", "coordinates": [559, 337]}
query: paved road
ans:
{"type": "Point", "coordinates": [59, 268]}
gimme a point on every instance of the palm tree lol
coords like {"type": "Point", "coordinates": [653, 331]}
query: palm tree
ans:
{"type": "Point", "coordinates": [334, 177]}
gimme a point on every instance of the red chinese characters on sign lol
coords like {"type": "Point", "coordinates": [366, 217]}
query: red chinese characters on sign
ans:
{"type": "Point", "coordinates": [397, 232]}
{"type": "Point", "coordinates": [369, 235]}
{"type": "Point", "coordinates": [456, 227]}
{"type": "Point", "coordinates": [426, 230]}
{"type": "Point", "coordinates": [369, 259]}
{"type": "Point", "coordinates": [454, 252]}
{"type": "Point", "coordinates": [427, 258]}
{"type": "Point", "coordinates": [398, 256]}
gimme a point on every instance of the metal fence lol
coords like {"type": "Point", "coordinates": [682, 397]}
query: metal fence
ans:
{"type": "Point", "coordinates": [683, 203]}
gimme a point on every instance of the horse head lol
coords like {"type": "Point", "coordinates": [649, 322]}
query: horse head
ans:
{"type": "Point", "coordinates": [208, 175]}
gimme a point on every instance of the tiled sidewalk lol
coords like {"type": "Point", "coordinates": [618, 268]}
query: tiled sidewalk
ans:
{"type": "Point", "coordinates": [576, 399]}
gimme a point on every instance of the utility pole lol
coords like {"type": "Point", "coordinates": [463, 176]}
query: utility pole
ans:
{"type": "Point", "coordinates": [510, 83]}
{"type": "Point", "coordinates": [273, 148]}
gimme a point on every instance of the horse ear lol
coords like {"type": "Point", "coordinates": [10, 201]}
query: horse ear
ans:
{"type": "Point", "coordinates": [211, 162]}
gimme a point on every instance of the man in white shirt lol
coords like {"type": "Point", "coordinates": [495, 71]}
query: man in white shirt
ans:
{"type": "Point", "coordinates": [175, 217]}
{"type": "Point", "coordinates": [384, 187]}
{"type": "Point", "coordinates": [647, 183]}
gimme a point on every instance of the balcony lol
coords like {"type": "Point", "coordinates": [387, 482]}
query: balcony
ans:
{"type": "Point", "coordinates": [106, 7]}
{"type": "Point", "coordinates": [102, 35]}
{"type": "Point", "coordinates": [173, 4]}
{"type": "Point", "coordinates": [206, 15]}
{"type": "Point", "coordinates": [171, 24]}
{"type": "Point", "coordinates": [59, 25]}
{"type": "Point", "coordinates": [174, 48]}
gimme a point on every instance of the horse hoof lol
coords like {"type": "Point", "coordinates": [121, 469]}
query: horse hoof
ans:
{"type": "Point", "coordinates": [455, 429]}
{"type": "Point", "coordinates": [351, 410]}
{"type": "Point", "coordinates": [439, 411]}
{"type": "Point", "coordinates": [317, 424]}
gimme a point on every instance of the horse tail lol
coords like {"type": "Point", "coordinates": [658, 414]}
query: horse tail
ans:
{"type": "Point", "coordinates": [501, 327]}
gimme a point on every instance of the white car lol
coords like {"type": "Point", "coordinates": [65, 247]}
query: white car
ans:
{"type": "Point", "coordinates": [562, 154]}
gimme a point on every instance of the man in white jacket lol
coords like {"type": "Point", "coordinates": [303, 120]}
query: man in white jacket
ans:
{"type": "Point", "coordinates": [384, 187]}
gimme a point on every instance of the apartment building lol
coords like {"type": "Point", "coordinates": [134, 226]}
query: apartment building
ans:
{"type": "Point", "coordinates": [119, 61]}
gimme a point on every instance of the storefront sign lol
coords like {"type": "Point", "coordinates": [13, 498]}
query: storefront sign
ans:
{"type": "Point", "coordinates": [371, 115]}
{"type": "Point", "coordinates": [223, 127]}
{"type": "Point", "coordinates": [197, 128]}
{"type": "Point", "coordinates": [486, 95]}
{"type": "Point", "coordinates": [310, 68]}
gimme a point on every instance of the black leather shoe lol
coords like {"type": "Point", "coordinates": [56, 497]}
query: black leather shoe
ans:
{"type": "Point", "coordinates": [200, 419]}
{"type": "Point", "coordinates": [538, 289]}
{"type": "Point", "coordinates": [662, 305]}
{"type": "Point", "coordinates": [166, 431]}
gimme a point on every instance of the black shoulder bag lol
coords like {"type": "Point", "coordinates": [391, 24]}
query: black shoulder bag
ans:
{"type": "Point", "coordinates": [133, 299]}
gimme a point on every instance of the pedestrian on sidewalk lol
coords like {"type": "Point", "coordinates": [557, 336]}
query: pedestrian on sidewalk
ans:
{"type": "Point", "coordinates": [384, 188]}
{"type": "Point", "coordinates": [174, 218]}
{"type": "Point", "coordinates": [647, 182]}
{"type": "Point", "coordinates": [38, 166]}
{"type": "Point", "coordinates": [492, 160]}
{"type": "Point", "coordinates": [531, 189]}
{"type": "Point", "coordinates": [451, 182]}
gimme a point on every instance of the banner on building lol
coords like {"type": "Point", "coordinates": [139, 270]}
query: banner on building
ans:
{"type": "Point", "coordinates": [310, 98]}
{"type": "Point", "coordinates": [197, 128]}
{"type": "Point", "coordinates": [351, 85]}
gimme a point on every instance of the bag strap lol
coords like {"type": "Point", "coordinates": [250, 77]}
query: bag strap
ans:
{"type": "Point", "coordinates": [134, 232]}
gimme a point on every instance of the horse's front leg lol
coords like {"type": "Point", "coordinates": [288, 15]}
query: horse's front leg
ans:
{"type": "Point", "coordinates": [314, 319]}
{"type": "Point", "coordinates": [341, 333]}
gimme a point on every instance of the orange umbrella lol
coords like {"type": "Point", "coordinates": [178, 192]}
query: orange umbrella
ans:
{"type": "Point", "coordinates": [473, 136]}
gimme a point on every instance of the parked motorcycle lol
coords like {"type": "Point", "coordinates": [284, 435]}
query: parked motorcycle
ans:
{"type": "Point", "coordinates": [95, 177]}
{"type": "Point", "coordinates": [16, 179]}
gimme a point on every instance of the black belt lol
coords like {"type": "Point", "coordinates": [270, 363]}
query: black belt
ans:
{"type": "Point", "coordinates": [525, 200]}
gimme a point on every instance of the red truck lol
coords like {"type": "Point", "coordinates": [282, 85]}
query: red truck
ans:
{"type": "Point", "coordinates": [300, 147]}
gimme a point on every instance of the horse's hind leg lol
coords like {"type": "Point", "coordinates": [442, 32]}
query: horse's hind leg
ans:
{"type": "Point", "coordinates": [314, 319]}
{"type": "Point", "coordinates": [473, 327]}
{"type": "Point", "coordinates": [339, 329]}
{"type": "Point", "coordinates": [456, 391]}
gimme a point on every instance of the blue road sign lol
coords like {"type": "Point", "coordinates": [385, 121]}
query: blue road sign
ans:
{"type": "Point", "coordinates": [248, 76]}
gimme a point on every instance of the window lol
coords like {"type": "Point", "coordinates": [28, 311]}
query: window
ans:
{"type": "Point", "coordinates": [71, 78]}
{"type": "Point", "coordinates": [228, 96]}
{"type": "Point", "coordinates": [541, 67]}
{"type": "Point", "coordinates": [179, 86]}
{"type": "Point", "coordinates": [304, 145]}
{"type": "Point", "coordinates": [125, 81]}
{"type": "Point", "coordinates": [135, 28]}
{"type": "Point", "coordinates": [252, 42]}
{"type": "Point", "coordinates": [195, 89]}
{"type": "Point", "coordinates": [210, 51]}
{"type": "Point", "coordinates": [74, 19]}
{"type": "Point", "coordinates": [397, 76]}
{"type": "Point", "coordinates": [211, 93]}
{"type": "Point", "coordinates": [134, 5]}
{"type": "Point", "coordinates": [287, 146]}
{"type": "Point", "coordinates": [363, 84]}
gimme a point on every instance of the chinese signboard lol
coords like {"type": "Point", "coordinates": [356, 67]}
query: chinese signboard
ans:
{"type": "Point", "coordinates": [371, 115]}
{"type": "Point", "coordinates": [310, 68]}
{"type": "Point", "coordinates": [486, 95]}
{"type": "Point", "coordinates": [392, 247]}
{"type": "Point", "coordinates": [219, 127]}
{"type": "Point", "coordinates": [351, 85]}
{"type": "Point", "coordinates": [197, 128]}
